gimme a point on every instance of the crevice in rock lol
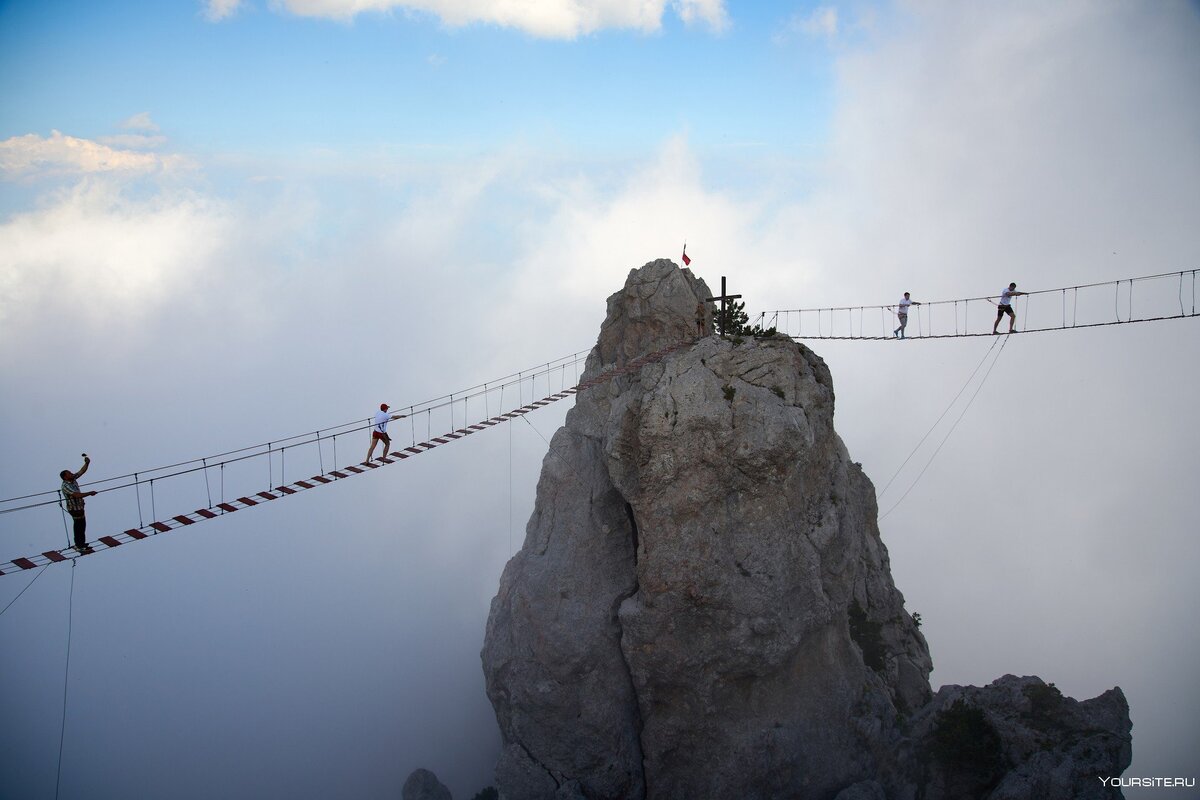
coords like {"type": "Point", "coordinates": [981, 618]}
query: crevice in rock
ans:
{"type": "Point", "coordinates": [638, 724]}
{"type": "Point", "coordinates": [532, 760]}
{"type": "Point", "coordinates": [634, 528]}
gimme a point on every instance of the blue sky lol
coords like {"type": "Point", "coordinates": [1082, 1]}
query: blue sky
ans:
{"type": "Point", "coordinates": [267, 80]}
{"type": "Point", "coordinates": [270, 221]}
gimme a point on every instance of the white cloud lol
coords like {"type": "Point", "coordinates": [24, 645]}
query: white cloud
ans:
{"type": "Point", "coordinates": [709, 12]}
{"type": "Point", "coordinates": [34, 155]}
{"type": "Point", "coordinates": [140, 122]}
{"type": "Point", "coordinates": [554, 19]}
{"type": "Point", "coordinates": [217, 10]}
{"type": "Point", "coordinates": [820, 23]}
{"type": "Point", "coordinates": [595, 234]}
{"type": "Point", "coordinates": [105, 255]}
{"type": "Point", "coordinates": [132, 141]}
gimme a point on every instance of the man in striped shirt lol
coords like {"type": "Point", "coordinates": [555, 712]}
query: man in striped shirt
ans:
{"type": "Point", "coordinates": [74, 500]}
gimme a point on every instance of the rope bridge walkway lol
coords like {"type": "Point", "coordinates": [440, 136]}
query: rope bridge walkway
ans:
{"type": "Point", "coordinates": [1170, 295]}
{"type": "Point", "coordinates": [276, 492]}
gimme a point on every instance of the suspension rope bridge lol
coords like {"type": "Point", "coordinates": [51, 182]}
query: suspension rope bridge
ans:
{"type": "Point", "coordinates": [831, 323]}
{"type": "Point", "coordinates": [329, 434]}
{"type": "Point", "coordinates": [1057, 309]}
{"type": "Point", "coordinates": [213, 511]}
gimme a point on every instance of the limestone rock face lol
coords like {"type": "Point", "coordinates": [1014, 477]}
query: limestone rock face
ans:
{"type": "Point", "coordinates": [677, 622]}
{"type": "Point", "coordinates": [702, 606]}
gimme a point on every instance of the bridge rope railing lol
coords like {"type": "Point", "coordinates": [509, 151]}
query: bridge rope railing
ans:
{"type": "Point", "coordinates": [1168, 295]}
{"type": "Point", "coordinates": [276, 492]}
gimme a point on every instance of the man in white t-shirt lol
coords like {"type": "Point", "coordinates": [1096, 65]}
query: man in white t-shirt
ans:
{"type": "Point", "coordinates": [902, 313]}
{"type": "Point", "coordinates": [379, 430]}
{"type": "Point", "coordinates": [1005, 307]}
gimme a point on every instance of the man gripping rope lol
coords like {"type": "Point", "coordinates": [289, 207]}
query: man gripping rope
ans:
{"type": "Point", "coordinates": [902, 314]}
{"type": "Point", "coordinates": [379, 431]}
{"type": "Point", "coordinates": [1005, 307]}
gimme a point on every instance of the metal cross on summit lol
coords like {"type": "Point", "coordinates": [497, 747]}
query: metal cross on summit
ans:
{"type": "Point", "coordinates": [723, 298]}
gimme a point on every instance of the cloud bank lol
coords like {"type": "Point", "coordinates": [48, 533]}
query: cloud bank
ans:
{"type": "Point", "coordinates": [552, 19]}
{"type": "Point", "coordinates": [33, 155]}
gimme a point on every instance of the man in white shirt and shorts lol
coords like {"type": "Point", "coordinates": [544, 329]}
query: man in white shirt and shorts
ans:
{"type": "Point", "coordinates": [902, 313]}
{"type": "Point", "coordinates": [379, 430]}
{"type": "Point", "coordinates": [1005, 307]}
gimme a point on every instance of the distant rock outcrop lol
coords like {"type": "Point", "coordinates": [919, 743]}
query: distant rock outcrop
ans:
{"type": "Point", "coordinates": [1040, 744]}
{"type": "Point", "coordinates": [424, 785]}
{"type": "Point", "coordinates": [703, 606]}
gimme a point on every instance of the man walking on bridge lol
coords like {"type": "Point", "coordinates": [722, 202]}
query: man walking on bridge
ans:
{"type": "Point", "coordinates": [1005, 307]}
{"type": "Point", "coordinates": [379, 430]}
{"type": "Point", "coordinates": [902, 313]}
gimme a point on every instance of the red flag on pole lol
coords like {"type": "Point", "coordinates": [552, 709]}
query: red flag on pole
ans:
{"type": "Point", "coordinates": [686, 261]}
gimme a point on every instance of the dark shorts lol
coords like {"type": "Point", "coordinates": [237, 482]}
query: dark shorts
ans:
{"type": "Point", "coordinates": [381, 436]}
{"type": "Point", "coordinates": [1002, 310]}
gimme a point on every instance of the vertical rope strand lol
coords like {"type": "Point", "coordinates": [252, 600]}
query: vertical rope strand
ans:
{"type": "Point", "coordinates": [66, 530]}
{"type": "Point", "coordinates": [137, 487]}
{"type": "Point", "coordinates": [207, 488]}
{"type": "Point", "coordinates": [62, 734]}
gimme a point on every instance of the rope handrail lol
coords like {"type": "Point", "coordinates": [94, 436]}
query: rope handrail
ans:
{"type": "Point", "coordinates": [992, 296]}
